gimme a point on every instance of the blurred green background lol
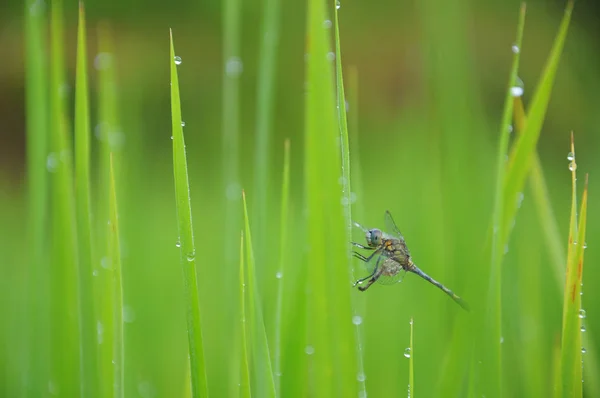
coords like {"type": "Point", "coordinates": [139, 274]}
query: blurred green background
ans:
{"type": "Point", "coordinates": [432, 78]}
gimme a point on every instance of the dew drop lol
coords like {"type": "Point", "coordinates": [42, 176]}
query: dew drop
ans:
{"type": "Point", "coordinates": [330, 56]}
{"type": "Point", "coordinates": [337, 4]}
{"type": "Point", "coordinates": [100, 332]}
{"type": "Point", "coordinates": [52, 162]}
{"type": "Point", "coordinates": [582, 328]}
{"type": "Point", "coordinates": [357, 320]}
{"type": "Point", "coordinates": [510, 128]}
{"type": "Point", "coordinates": [105, 263]}
{"type": "Point", "coordinates": [103, 61]}
{"type": "Point", "coordinates": [95, 272]}
{"type": "Point", "coordinates": [570, 156]}
{"type": "Point", "coordinates": [583, 350]}
{"type": "Point", "coordinates": [518, 89]}
{"type": "Point", "coordinates": [360, 376]}
{"type": "Point", "coordinates": [234, 67]}
{"type": "Point", "coordinates": [191, 256]}
{"type": "Point", "coordinates": [327, 24]}
{"type": "Point", "coordinates": [177, 60]}
{"type": "Point", "coordinates": [573, 166]}
{"type": "Point", "coordinates": [582, 313]}
{"type": "Point", "coordinates": [178, 243]}
{"type": "Point", "coordinates": [182, 123]}
{"type": "Point", "coordinates": [278, 275]}
{"type": "Point", "coordinates": [309, 350]}
{"type": "Point", "coordinates": [585, 245]}
{"type": "Point", "coordinates": [407, 352]}
{"type": "Point", "coordinates": [515, 49]}
{"type": "Point", "coordinates": [128, 314]}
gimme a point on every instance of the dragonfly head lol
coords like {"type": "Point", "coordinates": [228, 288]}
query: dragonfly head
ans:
{"type": "Point", "coordinates": [374, 237]}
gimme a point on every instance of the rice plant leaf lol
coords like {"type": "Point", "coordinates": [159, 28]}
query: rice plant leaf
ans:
{"type": "Point", "coordinates": [114, 252]}
{"type": "Point", "coordinates": [570, 382]}
{"type": "Point", "coordinates": [186, 238]}
{"type": "Point", "coordinates": [521, 156]}
{"type": "Point", "coordinates": [283, 260]}
{"type": "Point", "coordinates": [411, 366]}
{"type": "Point", "coordinates": [332, 354]}
{"type": "Point", "coordinates": [245, 390]}
{"type": "Point", "coordinates": [265, 104]}
{"type": "Point", "coordinates": [65, 327]}
{"type": "Point", "coordinates": [37, 133]}
{"type": "Point", "coordinates": [84, 215]}
{"type": "Point", "coordinates": [264, 385]}
{"type": "Point", "coordinates": [493, 360]}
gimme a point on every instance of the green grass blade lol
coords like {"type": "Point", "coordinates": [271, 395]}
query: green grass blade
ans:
{"type": "Point", "coordinates": [267, 74]}
{"type": "Point", "coordinates": [493, 332]}
{"type": "Point", "coordinates": [283, 247]}
{"type": "Point", "coordinates": [84, 214]}
{"type": "Point", "coordinates": [411, 366]}
{"type": "Point", "coordinates": [65, 374]}
{"type": "Point", "coordinates": [571, 365]}
{"type": "Point", "coordinates": [232, 69]}
{"type": "Point", "coordinates": [332, 355]}
{"type": "Point", "coordinates": [36, 119]}
{"type": "Point", "coordinates": [114, 253]}
{"type": "Point", "coordinates": [245, 390]}
{"type": "Point", "coordinates": [520, 160]}
{"type": "Point", "coordinates": [264, 385]}
{"type": "Point", "coordinates": [186, 238]}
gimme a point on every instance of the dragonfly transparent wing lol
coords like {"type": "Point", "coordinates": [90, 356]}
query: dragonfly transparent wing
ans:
{"type": "Point", "coordinates": [391, 272]}
{"type": "Point", "coordinates": [394, 231]}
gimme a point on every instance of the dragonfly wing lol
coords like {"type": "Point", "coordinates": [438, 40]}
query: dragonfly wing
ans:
{"type": "Point", "coordinates": [395, 231]}
{"type": "Point", "coordinates": [391, 272]}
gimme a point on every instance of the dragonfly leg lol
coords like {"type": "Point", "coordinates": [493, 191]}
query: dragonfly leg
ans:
{"type": "Point", "coordinates": [360, 256]}
{"type": "Point", "coordinates": [372, 278]}
{"type": "Point", "coordinates": [363, 246]}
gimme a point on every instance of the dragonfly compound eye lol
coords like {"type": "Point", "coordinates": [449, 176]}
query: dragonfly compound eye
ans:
{"type": "Point", "coordinates": [374, 237]}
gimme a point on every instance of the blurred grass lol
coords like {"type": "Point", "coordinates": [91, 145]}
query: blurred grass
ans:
{"type": "Point", "coordinates": [262, 372]}
{"type": "Point", "coordinates": [429, 92]}
{"type": "Point", "coordinates": [85, 250]}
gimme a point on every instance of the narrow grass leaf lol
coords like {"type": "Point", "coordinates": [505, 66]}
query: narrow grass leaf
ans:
{"type": "Point", "coordinates": [114, 252]}
{"type": "Point", "coordinates": [571, 365]}
{"type": "Point", "coordinates": [554, 245]}
{"type": "Point", "coordinates": [244, 370]}
{"type": "Point", "coordinates": [65, 376]}
{"type": "Point", "coordinates": [493, 368]}
{"type": "Point", "coordinates": [282, 269]}
{"type": "Point", "coordinates": [411, 366]}
{"type": "Point", "coordinates": [330, 338]}
{"type": "Point", "coordinates": [265, 104]}
{"type": "Point", "coordinates": [524, 148]}
{"type": "Point", "coordinates": [264, 385]}
{"type": "Point", "coordinates": [186, 237]}
{"type": "Point", "coordinates": [84, 215]}
{"type": "Point", "coordinates": [36, 120]}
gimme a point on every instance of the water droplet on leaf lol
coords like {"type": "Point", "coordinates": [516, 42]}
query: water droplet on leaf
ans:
{"type": "Point", "coordinates": [582, 313]}
{"type": "Point", "coordinates": [177, 60]}
{"type": "Point", "coordinates": [407, 352]}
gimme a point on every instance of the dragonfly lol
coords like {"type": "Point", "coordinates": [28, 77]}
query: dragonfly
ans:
{"type": "Point", "coordinates": [392, 259]}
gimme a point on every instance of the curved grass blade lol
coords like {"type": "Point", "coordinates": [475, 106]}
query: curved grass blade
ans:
{"type": "Point", "coordinates": [570, 382]}
{"type": "Point", "coordinates": [283, 247]}
{"type": "Point", "coordinates": [65, 332]}
{"type": "Point", "coordinates": [554, 244]}
{"type": "Point", "coordinates": [186, 238]}
{"type": "Point", "coordinates": [84, 215]}
{"type": "Point", "coordinates": [264, 385]}
{"type": "Point", "coordinates": [114, 253]}
{"type": "Point", "coordinates": [492, 372]}
{"type": "Point", "coordinates": [245, 372]}
{"type": "Point", "coordinates": [37, 129]}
